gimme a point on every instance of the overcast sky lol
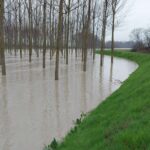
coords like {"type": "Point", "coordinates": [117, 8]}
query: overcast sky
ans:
{"type": "Point", "coordinates": [138, 17]}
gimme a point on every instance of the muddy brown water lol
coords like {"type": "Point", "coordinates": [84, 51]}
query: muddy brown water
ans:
{"type": "Point", "coordinates": [34, 108]}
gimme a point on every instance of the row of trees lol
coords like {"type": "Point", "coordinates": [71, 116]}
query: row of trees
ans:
{"type": "Point", "coordinates": [141, 39]}
{"type": "Point", "coordinates": [120, 44]}
{"type": "Point", "coordinates": [56, 26]}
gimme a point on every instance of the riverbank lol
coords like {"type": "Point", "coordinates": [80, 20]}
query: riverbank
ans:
{"type": "Point", "coordinates": [122, 121]}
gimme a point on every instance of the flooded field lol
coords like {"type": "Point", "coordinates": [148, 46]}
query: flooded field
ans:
{"type": "Point", "coordinates": [34, 108]}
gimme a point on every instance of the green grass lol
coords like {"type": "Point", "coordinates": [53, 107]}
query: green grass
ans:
{"type": "Point", "coordinates": [122, 121]}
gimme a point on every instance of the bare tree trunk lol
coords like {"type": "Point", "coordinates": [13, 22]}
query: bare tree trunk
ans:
{"type": "Point", "coordinates": [51, 36]}
{"type": "Point", "coordinates": [10, 35]}
{"type": "Point", "coordinates": [15, 31]}
{"type": "Point", "coordinates": [20, 30]}
{"type": "Point", "coordinates": [53, 32]}
{"type": "Point", "coordinates": [116, 6]}
{"type": "Point", "coordinates": [94, 31]}
{"type": "Point", "coordinates": [104, 23]}
{"type": "Point", "coordinates": [86, 33]}
{"type": "Point", "coordinates": [30, 30]}
{"type": "Point", "coordinates": [83, 24]}
{"type": "Point", "coordinates": [112, 42]}
{"type": "Point", "coordinates": [2, 45]}
{"type": "Point", "coordinates": [72, 34]}
{"type": "Point", "coordinates": [36, 38]}
{"type": "Point", "coordinates": [68, 30]}
{"type": "Point", "coordinates": [44, 32]}
{"type": "Point", "coordinates": [77, 30]}
{"type": "Point", "coordinates": [59, 32]}
{"type": "Point", "coordinates": [65, 37]}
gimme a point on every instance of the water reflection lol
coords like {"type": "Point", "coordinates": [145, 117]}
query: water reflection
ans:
{"type": "Point", "coordinates": [111, 78]}
{"type": "Point", "coordinates": [34, 108]}
{"type": "Point", "coordinates": [4, 113]}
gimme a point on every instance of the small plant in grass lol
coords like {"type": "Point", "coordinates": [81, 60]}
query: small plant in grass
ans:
{"type": "Point", "coordinates": [78, 122]}
{"type": "Point", "coordinates": [52, 146]}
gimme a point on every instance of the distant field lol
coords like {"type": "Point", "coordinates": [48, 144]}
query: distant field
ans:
{"type": "Point", "coordinates": [124, 49]}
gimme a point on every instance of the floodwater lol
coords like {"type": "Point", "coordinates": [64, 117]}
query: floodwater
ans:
{"type": "Point", "coordinates": [34, 108]}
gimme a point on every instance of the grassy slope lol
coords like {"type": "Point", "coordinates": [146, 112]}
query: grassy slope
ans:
{"type": "Point", "coordinates": [121, 122]}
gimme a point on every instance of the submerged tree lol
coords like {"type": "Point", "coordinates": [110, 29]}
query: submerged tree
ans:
{"type": "Point", "coordinates": [58, 26]}
{"type": "Point", "coordinates": [44, 32]}
{"type": "Point", "coordinates": [104, 24]}
{"type": "Point", "coordinates": [20, 27]}
{"type": "Point", "coordinates": [30, 29]}
{"type": "Point", "coordinates": [59, 35]}
{"type": "Point", "coordinates": [86, 31]}
{"type": "Point", "coordinates": [116, 6]}
{"type": "Point", "coordinates": [68, 29]}
{"type": "Point", "coordinates": [2, 46]}
{"type": "Point", "coordinates": [93, 39]}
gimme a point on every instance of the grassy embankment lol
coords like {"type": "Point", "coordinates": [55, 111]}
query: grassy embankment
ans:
{"type": "Point", "coordinates": [122, 121]}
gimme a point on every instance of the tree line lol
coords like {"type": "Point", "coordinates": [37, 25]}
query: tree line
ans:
{"type": "Point", "coordinates": [57, 26]}
{"type": "Point", "coordinates": [141, 39]}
